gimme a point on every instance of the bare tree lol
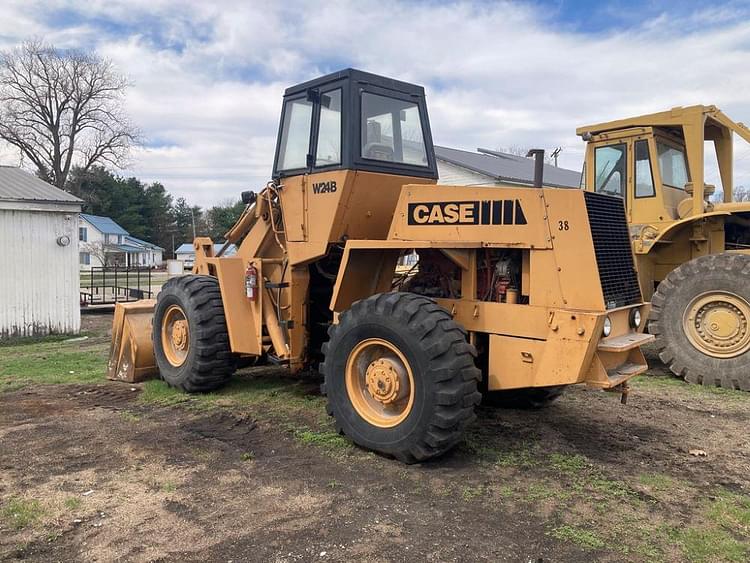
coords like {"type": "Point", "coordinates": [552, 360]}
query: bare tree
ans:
{"type": "Point", "coordinates": [63, 108]}
{"type": "Point", "coordinates": [517, 150]}
{"type": "Point", "coordinates": [99, 251]}
{"type": "Point", "coordinates": [740, 194]}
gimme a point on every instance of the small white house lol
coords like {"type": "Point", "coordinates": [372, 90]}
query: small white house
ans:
{"type": "Point", "coordinates": [185, 253]}
{"type": "Point", "coordinates": [103, 242]}
{"type": "Point", "coordinates": [39, 283]}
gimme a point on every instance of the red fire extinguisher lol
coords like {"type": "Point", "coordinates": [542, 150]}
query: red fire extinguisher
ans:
{"type": "Point", "coordinates": [251, 282]}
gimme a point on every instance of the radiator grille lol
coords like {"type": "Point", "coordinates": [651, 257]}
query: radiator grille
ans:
{"type": "Point", "coordinates": [614, 255]}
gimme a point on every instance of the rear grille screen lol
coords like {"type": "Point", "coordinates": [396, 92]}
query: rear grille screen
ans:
{"type": "Point", "coordinates": [614, 256]}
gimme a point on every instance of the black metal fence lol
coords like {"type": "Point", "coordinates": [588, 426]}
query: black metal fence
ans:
{"type": "Point", "coordinates": [114, 284]}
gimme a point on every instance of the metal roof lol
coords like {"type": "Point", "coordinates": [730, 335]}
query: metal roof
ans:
{"type": "Point", "coordinates": [104, 225]}
{"type": "Point", "coordinates": [19, 185]}
{"type": "Point", "coordinates": [140, 242]}
{"type": "Point", "coordinates": [508, 167]}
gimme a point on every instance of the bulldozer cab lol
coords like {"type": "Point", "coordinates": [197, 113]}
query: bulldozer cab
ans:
{"type": "Point", "coordinates": [352, 120]}
{"type": "Point", "coordinates": [656, 162]}
{"type": "Point", "coordinates": [347, 143]}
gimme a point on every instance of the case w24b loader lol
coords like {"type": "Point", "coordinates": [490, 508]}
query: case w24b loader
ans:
{"type": "Point", "coordinates": [692, 253]}
{"type": "Point", "coordinates": [516, 289]}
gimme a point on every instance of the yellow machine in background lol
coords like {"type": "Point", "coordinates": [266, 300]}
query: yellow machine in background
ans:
{"type": "Point", "coordinates": [515, 289]}
{"type": "Point", "coordinates": [692, 253]}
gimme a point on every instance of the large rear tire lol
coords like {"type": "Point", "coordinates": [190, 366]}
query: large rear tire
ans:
{"type": "Point", "coordinates": [190, 338]}
{"type": "Point", "coordinates": [527, 398]}
{"type": "Point", "coordinates": [400, 376]}
{"type": "Point", "coordinates": [701, 320]}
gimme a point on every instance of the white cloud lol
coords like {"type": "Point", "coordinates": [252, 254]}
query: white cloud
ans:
{"type": "Point", "coordinates": [208, 77]}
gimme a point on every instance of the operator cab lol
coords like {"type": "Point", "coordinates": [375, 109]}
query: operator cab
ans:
{"type": "Point", "coordinates": [353, 120]}
{"type": "Point", "coordinates": [656, 162]}
{"type": "Point", "coordinates": [647, 168]}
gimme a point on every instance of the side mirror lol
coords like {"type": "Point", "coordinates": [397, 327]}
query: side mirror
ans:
{"type": "Point", "coordinates": [249, 197]}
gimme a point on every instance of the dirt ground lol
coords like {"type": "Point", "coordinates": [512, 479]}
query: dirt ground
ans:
{"type": "Point", "coordinates": [103, 471]}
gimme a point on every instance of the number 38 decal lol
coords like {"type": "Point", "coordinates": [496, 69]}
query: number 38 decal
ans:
{"type": "Point", "coordinates": [563, 226]}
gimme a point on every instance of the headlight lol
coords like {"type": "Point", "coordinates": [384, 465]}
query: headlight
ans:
{"type": "Point", "coordinates": [607, 327]}
{"type": "Point", "coordinates": [635, 318]}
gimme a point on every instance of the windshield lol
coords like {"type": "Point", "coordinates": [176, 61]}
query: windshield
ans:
{"type": "Point", "coordinates": [392, 130]}
{"type": "Point", "coordinates": [672, 166]}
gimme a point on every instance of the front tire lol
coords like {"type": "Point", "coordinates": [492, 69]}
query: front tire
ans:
{"type": "Point", "coordinates": [701, 320]}
{"type": "Point", "coordinates": [191, 342]}
{"type": "Point", "coordinates": [400, 376]}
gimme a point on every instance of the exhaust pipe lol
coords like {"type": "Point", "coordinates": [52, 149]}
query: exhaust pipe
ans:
{"type": "Point", "coordinates": [538, 155]}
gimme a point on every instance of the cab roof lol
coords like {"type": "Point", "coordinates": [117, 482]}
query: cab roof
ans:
{"type": "Point", "coordinates": [715, 122]}
{"type": "Point", "coordinates": [673, 117]}
{"type": "Point", "coordinates": [355, 75]}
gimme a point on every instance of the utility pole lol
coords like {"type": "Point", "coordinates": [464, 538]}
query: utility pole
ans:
{"type": "Point", "coordinates": [555, 154]}
{"type": "Point", "coordinates": [192, 216]}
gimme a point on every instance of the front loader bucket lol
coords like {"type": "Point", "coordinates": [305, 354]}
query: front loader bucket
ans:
{"type": "Point", "coordinates": [131, 357]}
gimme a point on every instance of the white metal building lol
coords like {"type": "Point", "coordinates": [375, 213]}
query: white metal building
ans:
{"type": "Point", "coordinates": [39, 284]}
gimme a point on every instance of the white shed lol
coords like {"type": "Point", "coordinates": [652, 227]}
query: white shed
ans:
{"type": "Point", "coordinates": [39, 283]}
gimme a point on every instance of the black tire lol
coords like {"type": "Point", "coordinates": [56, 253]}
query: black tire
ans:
{"type": "Point", "coordinates": [209, 362]}
{"type": "Point", "coordinates": [719, 272]}
{"type": "Point", "coordinates": [527, 398]}
{"type": "Point", "coordinates": [442, 361]}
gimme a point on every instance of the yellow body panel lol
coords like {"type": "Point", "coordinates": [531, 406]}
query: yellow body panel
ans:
{"type": "Point", "coordinates": [554, 339]}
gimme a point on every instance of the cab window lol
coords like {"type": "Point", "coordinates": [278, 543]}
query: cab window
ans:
{"type": "Point", "coordinates": [392, 130]}
{"type": "Point", "coordinates": [295, 134]}
{"type": "Point", "coordinates": [328, 150]}
{"type": "Point", "coordinates": [644, 179]}
{"type": "Point", "coordinates": [610, 163]}
{"type": "Point", "coordinates": [672, 166]}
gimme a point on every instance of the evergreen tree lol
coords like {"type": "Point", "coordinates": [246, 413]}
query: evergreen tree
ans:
{"type": "Point", "coordinates": [221, 218]}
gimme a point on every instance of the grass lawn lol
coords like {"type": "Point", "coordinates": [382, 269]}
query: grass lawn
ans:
{"type": "Point", "coordinates": [643, 513]}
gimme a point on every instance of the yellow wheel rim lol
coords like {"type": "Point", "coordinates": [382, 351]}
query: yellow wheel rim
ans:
{"type": "Point", "coordinates": [716, 323]}
{"type": "Point", "coordinates": [175, 335]}
{"type": "Point", "coordinates": [380, 383]}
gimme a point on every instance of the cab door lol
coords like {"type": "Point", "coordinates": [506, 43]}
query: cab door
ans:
{"type": "Point", "coordinates": [292, 162]}
{"type": "Point", "coordinates": [610, 169]}
{"type": "Point", "coordinates": [644, 206]}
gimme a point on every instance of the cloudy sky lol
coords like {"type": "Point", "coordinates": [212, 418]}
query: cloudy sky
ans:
{"type": "Point", "coordinates": [208, 76]}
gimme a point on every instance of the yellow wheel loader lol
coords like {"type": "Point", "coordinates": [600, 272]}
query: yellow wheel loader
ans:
{"type": "Point", "coordinates": [515, 290]}
{"type": "Point", "coordinates": [692, 253]}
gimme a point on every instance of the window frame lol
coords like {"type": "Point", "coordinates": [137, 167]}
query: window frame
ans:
{"type": "Point", "coordinates": [363, 163]}
{"type": "Point", "coordinates": [624, 180]}
{"type": "Point", "coordinates": [397, 143]}
{"type": "Point", "coordinates": [317, 107]}
{"type": "Point", "coordinates": [650, 168]}
{"type": "Point", "coordinates": [661, 139]}
{"type": "Point", "coordinates": [284, 109]}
